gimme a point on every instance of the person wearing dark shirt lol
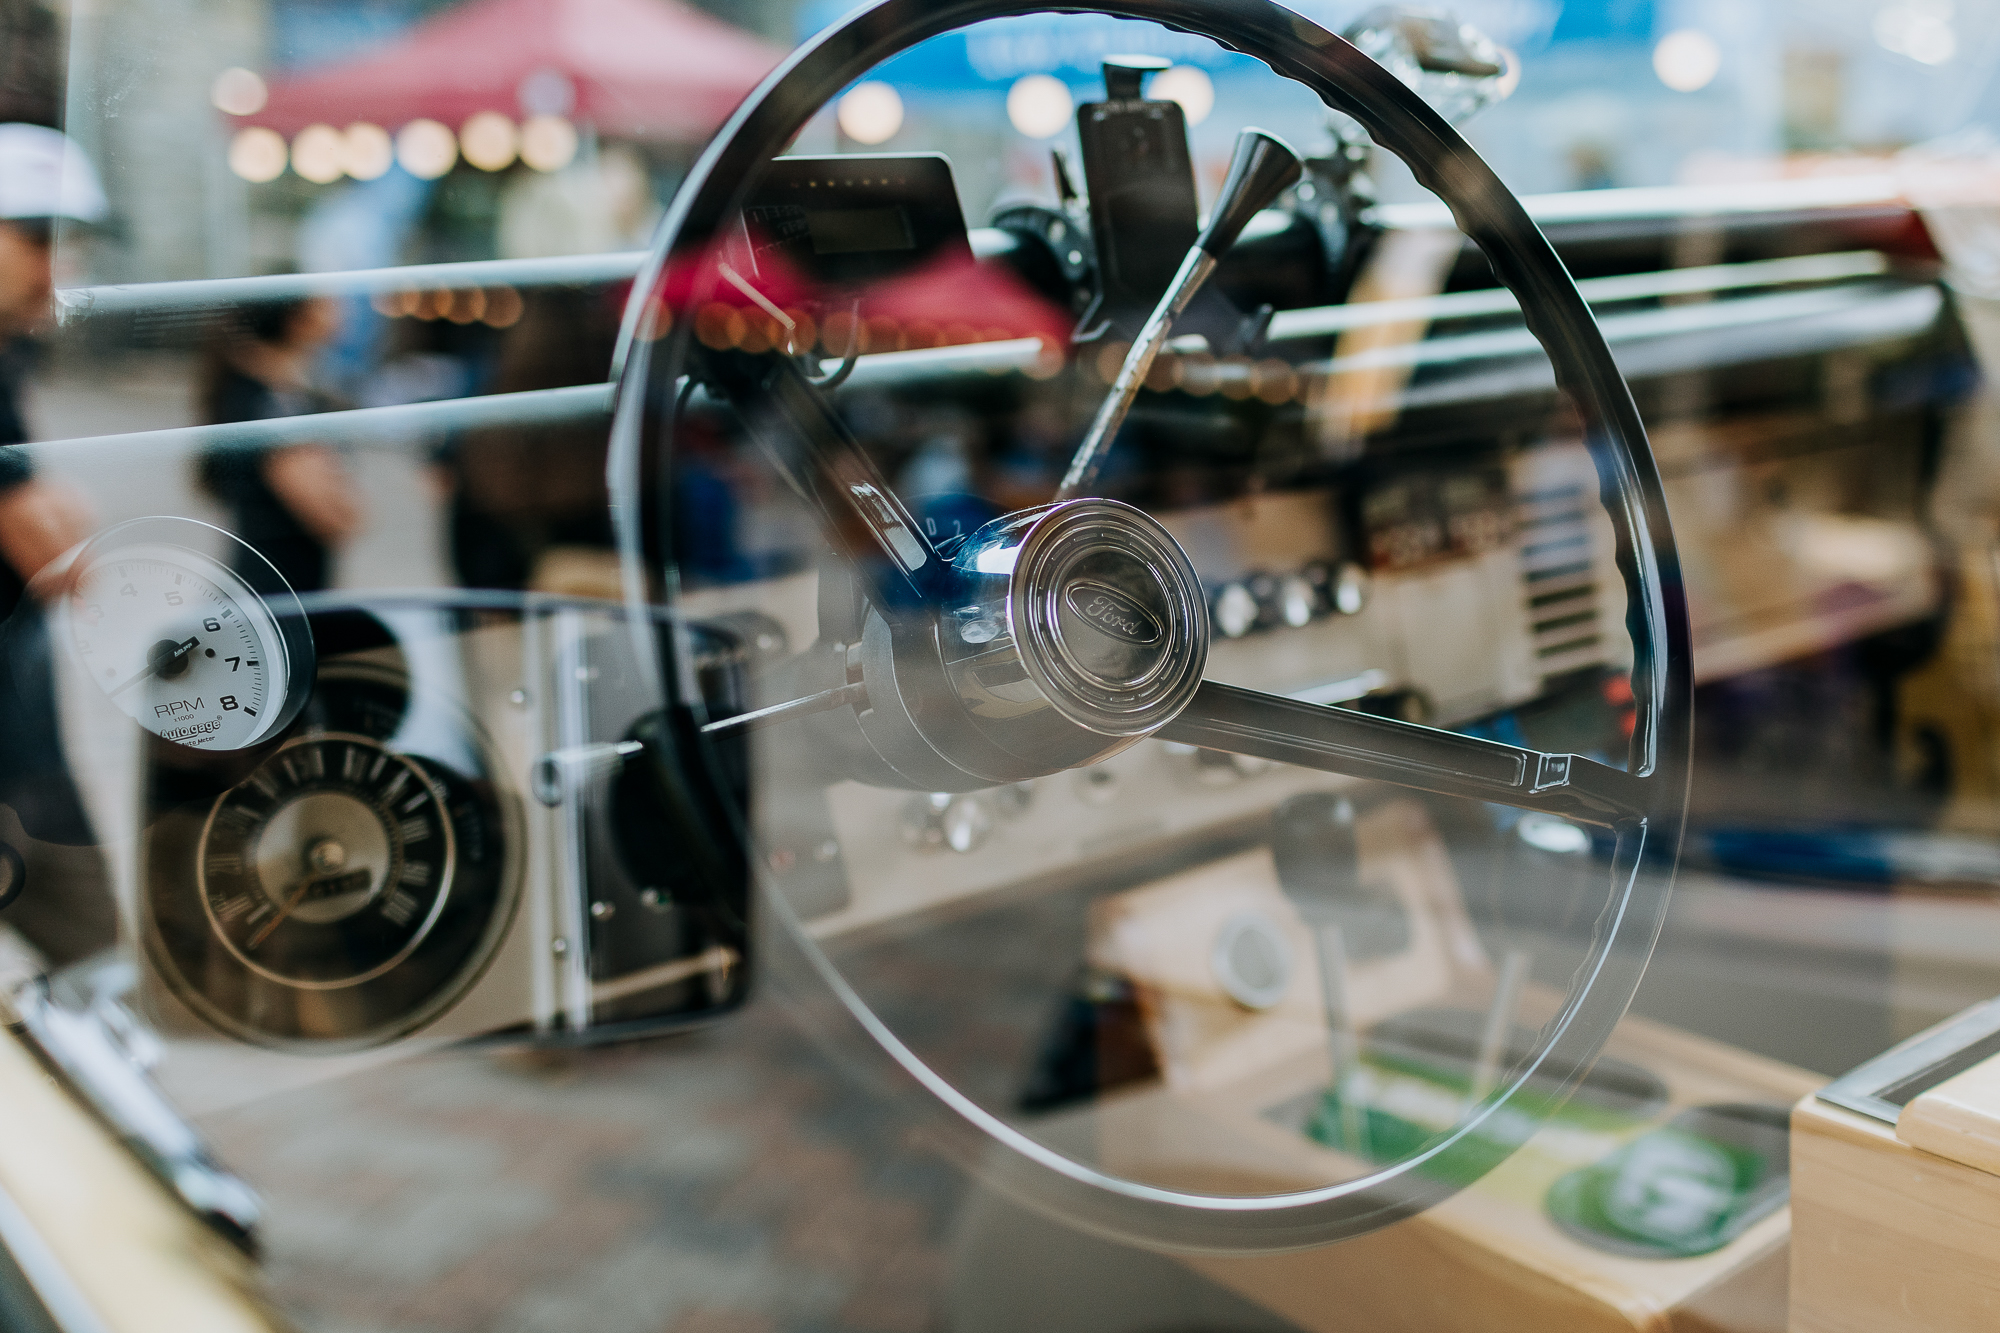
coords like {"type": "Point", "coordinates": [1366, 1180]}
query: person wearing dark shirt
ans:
{"type": "Point", "coordinates": [520, 494]}
{"type": "Point", "coordinates": [295, 503]}
{"type": "Point", "coordinates": [43, 178]}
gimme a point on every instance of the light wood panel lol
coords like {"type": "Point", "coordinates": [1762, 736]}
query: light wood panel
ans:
{"type": "Point", "coordinates": [1888, 1238]}
{"type": "Point", "coordinates": [136, 1257]}
{"type": "Point", "coordinates": [1959, 1119]}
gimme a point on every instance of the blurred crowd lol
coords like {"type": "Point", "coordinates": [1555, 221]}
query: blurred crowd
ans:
{"type": "Point", "coordinates": [507, 496]}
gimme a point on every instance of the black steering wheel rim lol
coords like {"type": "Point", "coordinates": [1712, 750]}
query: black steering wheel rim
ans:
{"type": "Point", "coordinates": [1486, 211]}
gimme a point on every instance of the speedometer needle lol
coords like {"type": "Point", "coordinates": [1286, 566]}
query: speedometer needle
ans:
{"type": "Point", "coordinates": [157, 662]}
{"type": "Point", "coordinates": [298, 896]}
{"type": "Point", "coordinates": [353, 880]}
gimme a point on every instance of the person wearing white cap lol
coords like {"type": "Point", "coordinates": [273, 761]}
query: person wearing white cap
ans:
{"type": "Point", "coordinates": [44, 178]}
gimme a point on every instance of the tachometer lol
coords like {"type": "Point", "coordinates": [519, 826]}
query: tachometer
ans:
{"type": "Point", "coordinates": [180, 641]}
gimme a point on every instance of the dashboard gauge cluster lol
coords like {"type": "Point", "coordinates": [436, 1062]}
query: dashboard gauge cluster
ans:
{"type": "Point", "coordinates": [373, 870]}
{"type": "Point", "coordinates": [1439, 641]}
{"type": "Point", "coordinates": [346, 890]}
{"type": "Point", "coordinates": [1419, 518]}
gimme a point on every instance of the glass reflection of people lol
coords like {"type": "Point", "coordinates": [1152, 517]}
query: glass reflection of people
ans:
{"type": "Point", "coordinates": [296, 503]}
{"type": "Point", "coordinates": [528, 506]}
{"type": "Point", "coordinates": [44, 179]}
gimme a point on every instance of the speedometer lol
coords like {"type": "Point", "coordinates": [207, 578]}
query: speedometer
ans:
{"type": "Point", "coordinates": [348, 888]}
{"type": "Point", "coordinates": [330, 864]}
{"type": "Point", "coordinates": [182, 642]}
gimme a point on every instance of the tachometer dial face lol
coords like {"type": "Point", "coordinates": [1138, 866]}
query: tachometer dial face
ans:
{"type": "Point", "coordinates": [329, 864]}
{"type": "Point", "coordinates": [349, 889]}
{"type": "Point", "coordinates": [180, 642]}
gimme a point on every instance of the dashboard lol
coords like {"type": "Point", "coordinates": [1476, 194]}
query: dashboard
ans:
{"type": "Point", "coordinates": [400, 815]}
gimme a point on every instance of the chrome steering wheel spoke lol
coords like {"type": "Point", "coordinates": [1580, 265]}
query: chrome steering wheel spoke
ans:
{"type": "Point", "coordinates": [816, 453]}
{"type": "Point", "coordinates": [1383, 749]}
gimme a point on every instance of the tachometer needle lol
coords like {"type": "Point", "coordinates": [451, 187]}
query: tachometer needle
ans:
{"type": "Point", "coordinates": [156, 664]}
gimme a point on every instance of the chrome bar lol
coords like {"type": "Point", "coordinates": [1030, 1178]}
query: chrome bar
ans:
{"type": "Point", "coordinates": [76, 303]}
{"type": "Point", "coordinates": [840, 696]}
{"type": "Point", "coordinates": [1672, 201]}
{"type": "Point", "coordinates": [404, 425]}
{"type": "Point", "coordinates": [1904, 311]}
{"type": "Point", "coordinates": [1321, 321]}
{"type": "Point", "coordinates": [1641, 325]}
{"type": "Point", "coordinates": [399, 427]}
{"type": "Point", "coordinates": [1583, 205]}
{"type": "Point", "coordinates": [994, 358]}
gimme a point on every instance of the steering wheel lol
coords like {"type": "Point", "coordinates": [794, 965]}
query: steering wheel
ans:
{"type": "Point", "coordinates": [902, 698]}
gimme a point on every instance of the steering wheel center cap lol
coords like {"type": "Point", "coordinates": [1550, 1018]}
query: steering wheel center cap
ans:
{"type": "Point", "coordinates": [1109, 622]}
{"type": "Point", "coordinates": [1107, 615]}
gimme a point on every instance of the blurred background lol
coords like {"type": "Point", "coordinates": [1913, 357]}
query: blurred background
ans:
{"type": "Point", "coordinates": [250, 137]}
{"type": "Point", "coordinates": [308, 135]}
{"type": "Point", "coordinates": [246, 137]}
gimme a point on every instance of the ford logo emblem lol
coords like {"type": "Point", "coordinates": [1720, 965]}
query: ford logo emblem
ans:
{"type": "Point", "coordinates": [1116, 613]}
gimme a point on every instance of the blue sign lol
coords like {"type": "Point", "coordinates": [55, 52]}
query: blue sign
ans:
{"type": "Point", "coordinates": [1072, 47]}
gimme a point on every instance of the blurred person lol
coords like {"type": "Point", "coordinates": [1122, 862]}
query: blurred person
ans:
{"type": "Point", "coordinates": [44, 178]}
{"type": "Point", "coordinates": [528, 507]}
{"type": "Point", "coordinates": [295, 503]}
{"type": "Point", "coordinates": [1591, 165]}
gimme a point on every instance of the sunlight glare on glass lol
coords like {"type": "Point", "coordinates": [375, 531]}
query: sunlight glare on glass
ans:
{"type": "Point", "coordinates": [488, 141]}
{"type": "Point", "coordinates": [238, 92]}
{"type": "Point", "coordinates": [1039, 105]}
{"type": "Point", "coordinates": [1188, 86]}
{"type": "Point", "coordinates": [1549, 834]}
{"type": "Point", "coordinates": [318, 153]}
{"type": "Point", "coordinates": [1687, 60]}
{"type": "Point", "coordinates": [426, 149]}
{"type": "Point", "coordinates": [548, 143]}
{"type": "Point", "coordinates": [1919, 29]}
{"type": "Point", "coordinates": [258, 155]}
{"type": "Point", "coordinates": [871, 113]}
{"type": "Point", "coordinates": [367, 151]}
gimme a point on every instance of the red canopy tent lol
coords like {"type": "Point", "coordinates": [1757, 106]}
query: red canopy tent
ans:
{"type": "Point", "coordinates": [645, 69]}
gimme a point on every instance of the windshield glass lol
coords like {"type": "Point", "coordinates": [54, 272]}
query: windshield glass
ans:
{"type": "Point", "coordinates": [1094, 646]}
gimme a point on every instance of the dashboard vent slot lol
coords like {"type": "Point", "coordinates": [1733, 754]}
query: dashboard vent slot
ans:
{"type": "Point", "coordinates": [1559, 577]}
